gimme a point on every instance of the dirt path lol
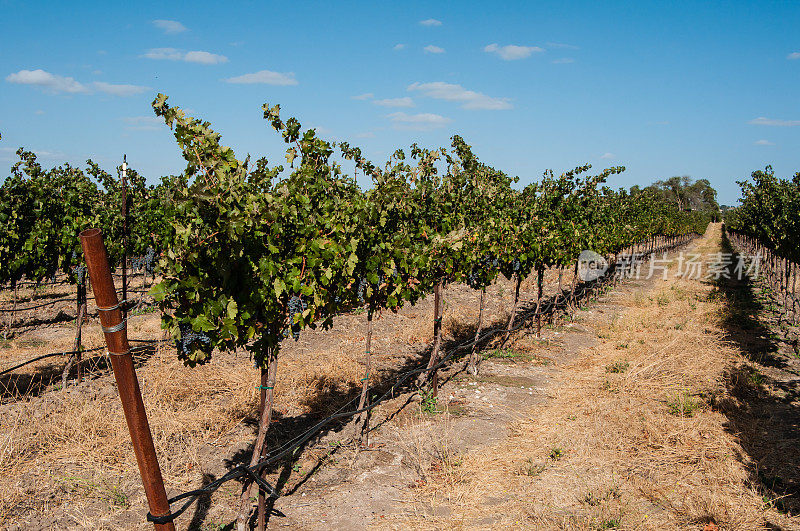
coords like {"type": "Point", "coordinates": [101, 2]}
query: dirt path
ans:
{"type": "Point", "coordinates": [629, 418]}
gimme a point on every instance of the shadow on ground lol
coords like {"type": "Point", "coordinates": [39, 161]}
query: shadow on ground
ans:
{"type": "Point", "coordinates": [332, 397]}
{"type": "Point", "coordinates": [765, 412]}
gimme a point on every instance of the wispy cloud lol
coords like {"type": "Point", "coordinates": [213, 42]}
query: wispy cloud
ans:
{"type": "Point", "coordinates": [365, 96]}
{"type": "Point", "coordinates": [430, 22]}
{"type": "Point", "coordinates": [761, 120]}
{"type": "Point", "coordinates": [763, 143]}
{"type": "Point", "coordinates": [793, 56]}
{"type": "Point", "coordinates": [399, 46]}
{"type": "Point", "coordinates": [418, 122]}
{"type": "Point", "coordinates": [143, 123]}
{"type": "Point", "coordinates": [56, 84]}
{"type": "Point", "coordinates": [118, 89]}
{"type": "Point", "coordinates": [433, 49]}
{"type": "Point", "coordinates": [47, 81]}
{"type": "Point", "coordinates": [561, 45]}
{"type": "Point", "coordinates": [205, 58]}
{"type": "Point", "coordinates": [172, 54]}
{"type": "Point", "coordinates": [170, 27]}
{"type": "Point", "coordinates": [395, 102]}
{"type": "Point", "coordinates": [512, 52]}
{"type": "Point", "coordinates": [9, 153]}
{"type": "Point", "coordinates": [563, 61]}
{"type": "Point", "coordinates": [368, 134]}
{"type": "Point", "coordinates": [469, 99]}
{"type": "Point", "coordinates": [265, 77]}
{"type": "Point", "coordinates": [607, 156]}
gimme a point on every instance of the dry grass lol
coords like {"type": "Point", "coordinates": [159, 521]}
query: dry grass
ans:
{"type": "Point", "coordinates": [638, 448]}
{"type": "Point", "coordinates": [66, 459]}
{"type": "Point", "coordinates": [65, 455]}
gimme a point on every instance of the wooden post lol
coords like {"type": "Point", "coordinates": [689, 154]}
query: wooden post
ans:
{"type": "Point", "coordinates": [539, 278]}
{"type": "Point", "coordinates": [81, 318]}
{"type": "Point", "coordinates": [75, 358]}
{"type": "Point", "coordinates": [517, 283]}
{"type": "Point", "coordinates": [130, 395]}
{"type": "Point", "coordinates": [259, 449]}
{"type": "Point", "coordinates": [124, 233]}
{"type": "Point", "coordinates": [472, 365]}
{"type": "Point", "coordinates": [362, 421]}
{"type": "Point", "coordinates": [433, 374]}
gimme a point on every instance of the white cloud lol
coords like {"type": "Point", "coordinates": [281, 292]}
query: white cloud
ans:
{"type": "Point", "coordinates": [398, 46]}
{"type": "Point", "coordinates": [433, 49]}
{"type": "Point", "coordinates": [118, 89]}
{"type": "Point", "coordinates": [763, 143]}
{"type": "Point", "coordinates": [607, 156]}
{"type": "Point", "coordinates": [561, 45]}
{"type": "Point", "coordinates": [418, 122]}
{"type": "Point", "coordinates": [469, 99]}
{"type": "Point", "coordinates": [512, 52]}
{"type": "Point", "coordinates": [170, 54]}
{"type": "Point", "coordinates": [170, 27]}
{"type": "Point", "coordinates": [395, 102]}
{"type": "Point", "coordinates": [39, 112]}
{"type": "Point", "coordinates": [365, 96]}
{"type": "Point", "coordinates": [775, 122]}
{"type": "Point", "coordinates": [266, 77]}
{"type": "Point", "coordinates": [58, 84]}
{"type": "Point", "coordinates": [47, 81]}
{"type": "Point", "coordinates": [198, 56]}
{"type": "Point", "coordinates": [430, 22]}
{"type": "Point", "coordinates": [7, 152]}
{"type": "Point", "coordinates": [205, 58]}
{"type": "Point", "coordinates": [368, 134]}
{"type": "Point", "coordinates": [794, 55]}
{"type": "Point", "coordinates": [563, 61]}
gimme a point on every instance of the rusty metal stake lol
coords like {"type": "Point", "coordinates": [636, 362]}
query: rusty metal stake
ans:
{"type": "Point", "coordinates": [122, 363]}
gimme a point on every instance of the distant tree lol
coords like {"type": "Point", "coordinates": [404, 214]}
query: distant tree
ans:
{"type": "Point", "coordinates": [686, 193]}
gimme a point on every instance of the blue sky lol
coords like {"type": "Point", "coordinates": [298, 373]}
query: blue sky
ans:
{"type": "Point", "coordinates": [705, 89]}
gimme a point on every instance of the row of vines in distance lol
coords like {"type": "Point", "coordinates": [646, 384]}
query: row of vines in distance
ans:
{"type": "Point", "coordinates": [251, 254]}
{"type": "Point", "coordinates": [259, 255]}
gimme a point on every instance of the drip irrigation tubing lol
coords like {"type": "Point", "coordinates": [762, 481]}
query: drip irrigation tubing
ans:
{"type": "Point", "coordinates": [71, 352]}
{"type": "Point", "coordinates": [288, 447]}
{"type": "Point", "coordinates": [65, 299]}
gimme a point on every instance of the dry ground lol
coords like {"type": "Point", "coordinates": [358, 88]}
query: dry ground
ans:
{"type": "Point", "coordinates": [653, 428]}
{"type": "Point", "coordinates": [65, 456]}
{"type": "Point", "coordinates": [640, 414]}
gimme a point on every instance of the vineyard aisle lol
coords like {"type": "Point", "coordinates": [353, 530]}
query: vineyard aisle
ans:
{"type": "Point", "coordinates": [659, 424]}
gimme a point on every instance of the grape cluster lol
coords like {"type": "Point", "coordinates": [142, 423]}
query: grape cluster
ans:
{"type": "Point", "coordinates": [487, 263]}
{"type": "Point", "coordinates": [80, 273]}
{"type": "Point", "coordinates": [296, 305]}
{"type": "Point", "coordinates": [362, 289]}
{"type": "Point", "coordinates": [146, 262]}
{"type": "Point", "coordinates": [189, 338]}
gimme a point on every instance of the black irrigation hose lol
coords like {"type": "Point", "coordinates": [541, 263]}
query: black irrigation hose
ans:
{"type": "Point", "coordinates": [43, 356]}
{"type": "Point", "coordinates": [56, 301]}
{"type": "Point", "coordinates": [293, 444]}
{"type": "Point", "coordinates": [71, 352]}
